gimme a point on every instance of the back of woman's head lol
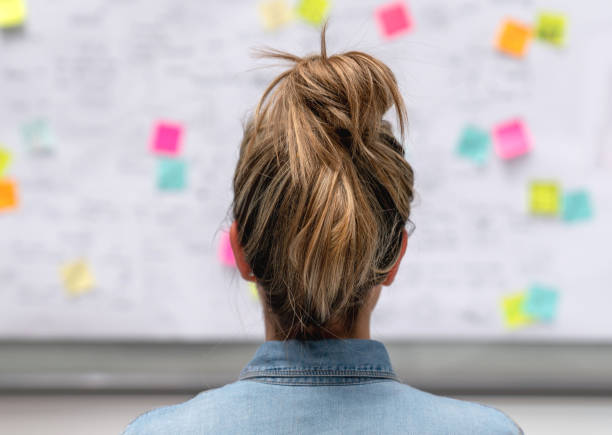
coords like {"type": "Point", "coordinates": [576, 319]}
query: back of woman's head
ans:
{"type": "Point", "coordinates": [322, 191]}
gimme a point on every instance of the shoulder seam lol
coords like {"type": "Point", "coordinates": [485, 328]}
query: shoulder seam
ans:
{"type": "Point", "coordinates": [520, 430]}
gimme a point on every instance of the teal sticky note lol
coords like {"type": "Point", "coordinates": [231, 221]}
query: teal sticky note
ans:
{"type": "Point", "coordinates": [474, 144]}
{"type": "Point", "coordinates": [171, 174]}
{"type": "Point", "coordinates": [577, 206]}
{"type": "Point", "coordinates": [38, 136]}
{"type": "Point", "coordinates": [541, 303]}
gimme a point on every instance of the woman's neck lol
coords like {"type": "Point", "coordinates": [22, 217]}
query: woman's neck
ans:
{"type": "Point", "coordinates": [361, 327]}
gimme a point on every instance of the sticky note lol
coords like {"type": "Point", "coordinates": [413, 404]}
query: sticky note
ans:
{"type": "Point", "coordinates": [393, 19]}
{"type": "Point", "coordinates": [167, 138]}
{"type": "Point", "coordinates": [511, 139]}
{"type": "Point", "coordinates": [8, 194]}
{"type": "Point", "coordinates": [171, 174]}
{"type": "Point", "coordinates": [5, 160]}
{"type": "Point", "coordinates": [12, 13]}
{"type": "Point", "coordinates": [513, 307]}
{"type": "Point", "coordinates": [513, 38]}
{"type": "Point", "coordinates": [551, 28]}
{"type": "Point", "coordinates": [541, 303]}
{"type": "Point", "coordinates": [474, 144]}
{"type": "Point", "coordinates": [38, 136]}
{"type": "Point", "coordinates": [544, 198]}
{"type": "Point", "coordinates": [77, 277]}
{"type": "Point", "coordinates": [253, 290]}
{"type": "Point", "coordinates": [274, 13]}
{"type": "Point", "coordinates": [313, 11]}
{"type": "Point", "coordinates": [226, 254]}
{"type": "Point", "coordinates": [576, 206]}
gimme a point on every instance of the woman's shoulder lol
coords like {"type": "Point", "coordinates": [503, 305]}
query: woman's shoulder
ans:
{"type": "Point", "coordinates": [392, 407]}
{"type": "Point", "coordinates": [453, 415]}
{"type": "Point", "coordinates": [180, 418]}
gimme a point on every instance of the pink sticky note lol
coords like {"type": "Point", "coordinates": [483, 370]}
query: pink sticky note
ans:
{"type": "Point", "coordinates": [393, 19]}
{"type": "Point", "coordinates": [511, 139]}
{"type": "Point", "coordinates": [226, 255]}
{"type": "Point", "coordinates": [166, 138]}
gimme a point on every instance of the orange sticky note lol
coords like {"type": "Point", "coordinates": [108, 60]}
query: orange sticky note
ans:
{"type": "Point", "coordinates": [8, 194]}
{"type": "Point", "coordinates": [514, 38]}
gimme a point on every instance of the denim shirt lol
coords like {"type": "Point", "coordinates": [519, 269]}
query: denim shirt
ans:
{"type": "Point", "coordinates": [321, 387]}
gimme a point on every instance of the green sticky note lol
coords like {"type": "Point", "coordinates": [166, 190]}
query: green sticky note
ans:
{"type": "Point", "coordinates": [5, 160]}
{"type": "Point", "coordinates": [313, 11]}
{"type": "Point", "coordinates": [551, 28]}
{"type": "Point", "coordinates": [513, 307]}
{"type": "Point", "coordinates": [38, 136]}
{"type": "Point", "coordinates": [474, 144]}
{"type": "Point", "coordinates": [544, 198]}
{"type": "Point", "coordinates": [541, 303]}
{"type": "Point", "coordinates": [171, 174]}
{"type": "Point", "coordinates": [577, 206]}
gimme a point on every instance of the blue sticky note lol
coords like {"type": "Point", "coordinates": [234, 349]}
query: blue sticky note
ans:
{"type": "Point", "coordinates": [171, 174]}
{"type": "Point", "coordinates": [541, 303]}
{"type": "Point", "coordinates": [577, 206]}
{"type": "Point", "coordinates": [474, 144]}
{"type": "Point", "coordinates": [38, 136]}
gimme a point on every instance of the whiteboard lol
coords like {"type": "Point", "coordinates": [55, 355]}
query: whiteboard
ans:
{"type": "Point", "coordinates": [103, 72]}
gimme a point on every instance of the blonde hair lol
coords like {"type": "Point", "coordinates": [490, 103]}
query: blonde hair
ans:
{"type": "Point", "coordinates": [322, 191]}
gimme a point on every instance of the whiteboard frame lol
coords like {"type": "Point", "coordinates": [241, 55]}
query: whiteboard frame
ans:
{"type": "Point", "coordinates": [444, 367]}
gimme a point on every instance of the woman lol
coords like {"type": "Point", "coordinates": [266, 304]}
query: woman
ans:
{"type": "Point", "coordinates": [322, 199]}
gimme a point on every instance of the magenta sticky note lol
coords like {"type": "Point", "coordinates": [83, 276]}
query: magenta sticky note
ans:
{"type": "Point", "coordinates": [167, 138]}
{"type": "Point", "coordinates": [226, 254]}
{"type": "Point", "coordinates": [393, 19]}
{"type": "Point", "coordinates": [511, 139]}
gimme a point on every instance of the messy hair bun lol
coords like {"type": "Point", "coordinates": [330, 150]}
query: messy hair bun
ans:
{"type": "Point", "coordinates": [322, 190]}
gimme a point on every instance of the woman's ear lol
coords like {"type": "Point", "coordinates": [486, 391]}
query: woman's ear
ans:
{"type": "Point", "coordinates": [241, 264]}
{"type": "Point", "coordinates": [389, 280]}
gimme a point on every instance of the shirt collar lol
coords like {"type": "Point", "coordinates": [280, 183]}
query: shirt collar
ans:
{"type": "Point", "coordinates": [330, 357]}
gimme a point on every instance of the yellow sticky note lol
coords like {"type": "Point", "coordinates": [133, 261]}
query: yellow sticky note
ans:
{"type": "Point", "coordinates": [77, 277]}
{"type": "Point", "coordinates": [313, 11]}
{"type": "Point", "coordinates": [544, 198]}
{"type": "Point", "coordinates": [253, 291]}
{"type": "Point", "coordinates": [513, 306]}
{"type": "Point", "coordinates": [5, 160]}
{"type": "Point", "coordinates": [274, 13]}
{"type": "Point", "coordinates": [8, 194]}
{"type": "Point", "coordinates": [551, 28]}
{"type": "Point", "coordinates": [514, 38]}
{"type": "Point", "coordinates": [12, 13]}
